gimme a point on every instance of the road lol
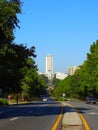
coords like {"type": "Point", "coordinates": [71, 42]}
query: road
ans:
{"type": "Point", "coordinates": [34, 116]}
{"type": "Point", "coordinates": [89, 112]}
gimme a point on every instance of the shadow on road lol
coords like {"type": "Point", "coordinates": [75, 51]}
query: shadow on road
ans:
{"type": "Point", "coordinates": [31, 109]}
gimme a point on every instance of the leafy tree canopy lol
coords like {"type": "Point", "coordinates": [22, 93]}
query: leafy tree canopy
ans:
{"type": "Point", "coordinates": [8, 20]}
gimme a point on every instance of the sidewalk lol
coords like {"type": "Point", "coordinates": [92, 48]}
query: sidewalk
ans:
{"type": "Point", "coordinates": [71, 119]}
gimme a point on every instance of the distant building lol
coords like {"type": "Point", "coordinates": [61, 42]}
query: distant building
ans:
{"type": "Point", "coordinates": [71, 70]}
{"type": "Point", "coordinates": [60, 75]}
{"type": "Point", "coordinates": [49, 66]}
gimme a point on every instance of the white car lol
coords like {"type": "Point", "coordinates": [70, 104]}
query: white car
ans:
{"type": "Point", "coordinates": [45, 99]}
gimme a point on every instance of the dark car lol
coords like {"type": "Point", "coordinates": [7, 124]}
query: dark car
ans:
{"type": "Point", "coordinates": [91, 99]}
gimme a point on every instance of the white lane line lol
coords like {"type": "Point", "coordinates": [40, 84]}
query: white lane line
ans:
{"type": "Point", "coordinates": [91, 113]}
{"type": "Point", "coordinates": [14, 118]}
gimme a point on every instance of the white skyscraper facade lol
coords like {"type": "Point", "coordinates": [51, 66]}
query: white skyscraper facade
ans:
{"type": "Point", "coordinates": [49, 66]}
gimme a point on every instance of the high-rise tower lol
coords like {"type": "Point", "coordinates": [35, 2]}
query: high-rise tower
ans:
{"type": "Point", "coordinates": [49, 66]}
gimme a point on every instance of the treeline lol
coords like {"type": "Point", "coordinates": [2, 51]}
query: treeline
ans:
{"type": "Point", "coordinates": [85, 80]}
{"type": "Point", "coordinates": [18, 71]}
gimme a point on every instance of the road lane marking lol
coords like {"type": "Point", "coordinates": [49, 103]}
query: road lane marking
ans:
{"type": "Point", "coordinates": [58, 120]}
{"type": "Point", "coordinates": [84, 121]}
{"type": "Point", "coordinates": [14, 118]}
{"type": "Point", "coordinates": [82, 118]}
{"type": "Point", "coordinates": [91, 113]}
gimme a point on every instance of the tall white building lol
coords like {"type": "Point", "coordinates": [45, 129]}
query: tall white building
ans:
{"type": "Point", "coordinates": [49, 66]}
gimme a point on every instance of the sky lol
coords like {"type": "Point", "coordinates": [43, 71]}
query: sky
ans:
{"type": "Point", "coordinates": [63, 28]}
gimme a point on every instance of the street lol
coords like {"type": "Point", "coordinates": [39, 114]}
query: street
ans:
{"type": "Point", "coordinates": [34, 116]}
{"type": "Point", "coordinates": [89, 112]}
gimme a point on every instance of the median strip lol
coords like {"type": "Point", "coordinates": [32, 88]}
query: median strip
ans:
{"type": "Point", "coordinates": [73, 120]}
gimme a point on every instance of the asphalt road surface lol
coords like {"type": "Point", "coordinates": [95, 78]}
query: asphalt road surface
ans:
{"type": "Point", "coordinates": [89, 112]}
{"type": "Point", "coordinates": [34, 116]}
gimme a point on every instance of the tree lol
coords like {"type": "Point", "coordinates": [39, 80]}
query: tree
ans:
{"type": "Point", "coordinates": [92, 66]}
{"type": "Point", "coordinates": [33, 84]}
{"type": "Point", "coordinates": [15, 1]}
{"type": "Point", "coordinates": [8, 21]}
{"type": "Point", "coordinates": [85, 80]}
{"type": "Point", "coordinates": [30, 71]}
{"type": "Point", "coordinates": [55, 81]}
{"type": "Point", "coordinates": [11, 64]}
{"type": "Point", "coordinates": [18, 71]}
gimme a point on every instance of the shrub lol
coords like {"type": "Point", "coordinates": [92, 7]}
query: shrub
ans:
{"type": "Point", "coordinates": [3, 101]}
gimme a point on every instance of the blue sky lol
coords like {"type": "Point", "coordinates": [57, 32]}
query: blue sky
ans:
{"type": "Point", "coordinates": [64, 28]}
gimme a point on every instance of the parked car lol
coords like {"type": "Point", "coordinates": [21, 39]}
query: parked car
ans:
{"type": "Point", "coordinates": [91, 99]}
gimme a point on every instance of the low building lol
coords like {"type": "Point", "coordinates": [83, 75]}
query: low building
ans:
{"type": "Point", "coordinates": [60, 75]}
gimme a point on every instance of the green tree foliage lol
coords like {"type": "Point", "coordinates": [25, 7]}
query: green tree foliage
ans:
{"type": "Point", "coordinates": [18, 72]}
{"type": "Point", "coordinates": [8, 51]}
{"type": "Point", "coordinates": [43, 79]}
{"type": "Point", "coordinates": [85, 80]}
{"type": "Point", "coordinates": [77, 83]}
{"type": "Point", "coordinates": [55, 81]}
{"type": "Point", "coordinates": [42, 82]}
{"type": "Point", "coordinates": [55, 92]}
{"type": "Point", "coordinates": [8, 21]}
{"type": "Point", "coordinates": [30, 72]}
{"type": "Point", "coordinates": [11, 64]}
{"type": "Point", "coordinates": [63, 87]}
{"type": "Point", "coordinates": [33, 84]}
{"type": "Point", "coordinates": [92, 64]}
